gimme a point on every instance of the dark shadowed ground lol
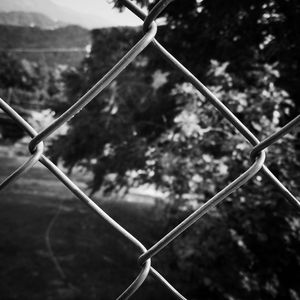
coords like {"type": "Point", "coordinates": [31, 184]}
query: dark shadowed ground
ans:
{"type": "Point", "coordinates": [96, 261]}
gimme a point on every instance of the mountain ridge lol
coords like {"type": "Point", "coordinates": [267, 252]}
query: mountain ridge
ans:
{"type": "Point", "coordinates": [29, 19]}
{"type": "Point", "coordinates": [55, 12]}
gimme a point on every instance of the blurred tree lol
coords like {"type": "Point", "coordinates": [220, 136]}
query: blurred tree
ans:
{"type": "Point", "coordinates": [122, 120]}
{"type": "Point", "coordinates": [31, 84]}
{"type": "Point", "coordinates": [240, 32]}
{"type": "Point", "coordinates": [151, 126]}
{"type": "Point", "coordinates": [16, 73]}
{"type": "Point", "coordinates": [252, 239]}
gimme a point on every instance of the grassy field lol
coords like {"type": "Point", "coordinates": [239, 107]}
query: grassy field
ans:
{"type": "Point", "coordinates": [38, 214]}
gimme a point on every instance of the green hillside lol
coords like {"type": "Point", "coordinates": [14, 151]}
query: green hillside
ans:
{"type": "Point", "coordinates": [66, 45]}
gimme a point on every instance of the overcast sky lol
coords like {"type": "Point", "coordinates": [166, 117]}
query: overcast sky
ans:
{"type": "Point", "coordinates": [103, 7]}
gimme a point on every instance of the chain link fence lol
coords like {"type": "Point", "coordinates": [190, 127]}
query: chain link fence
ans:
{"type": "Point", "coordinates": [257, 156]}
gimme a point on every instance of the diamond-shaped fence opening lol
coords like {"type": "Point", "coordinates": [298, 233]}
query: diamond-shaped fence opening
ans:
{"type": "Point", "coordinates": [257, 156]}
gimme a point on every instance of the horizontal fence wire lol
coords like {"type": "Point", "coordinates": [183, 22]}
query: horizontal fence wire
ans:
{"type": "Point", "coordinates": [257, 156]}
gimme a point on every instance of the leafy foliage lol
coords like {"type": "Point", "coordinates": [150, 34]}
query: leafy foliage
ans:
{"type": "Point", "coordinates": [240, 241]}
{"type": "Point", "coordinates": [240, 32]}
{"type": "Point", "coordinates": [151, 126]}
{"type": "Point", "coordinates": [32, 89]}
{"type": "Point", "coordinates": [120, 122]}
{"type": "Point", "coordinates": [30, 84]}
{"type": "Point", "coordinates": [16, 73]}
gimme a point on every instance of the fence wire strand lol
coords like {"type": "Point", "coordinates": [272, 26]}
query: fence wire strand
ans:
{"type": "Point", "coordinates": [257, 156]}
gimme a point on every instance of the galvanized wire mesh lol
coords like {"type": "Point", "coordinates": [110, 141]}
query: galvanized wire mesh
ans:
{"type": "Point", "coordinates": [257, 156]}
